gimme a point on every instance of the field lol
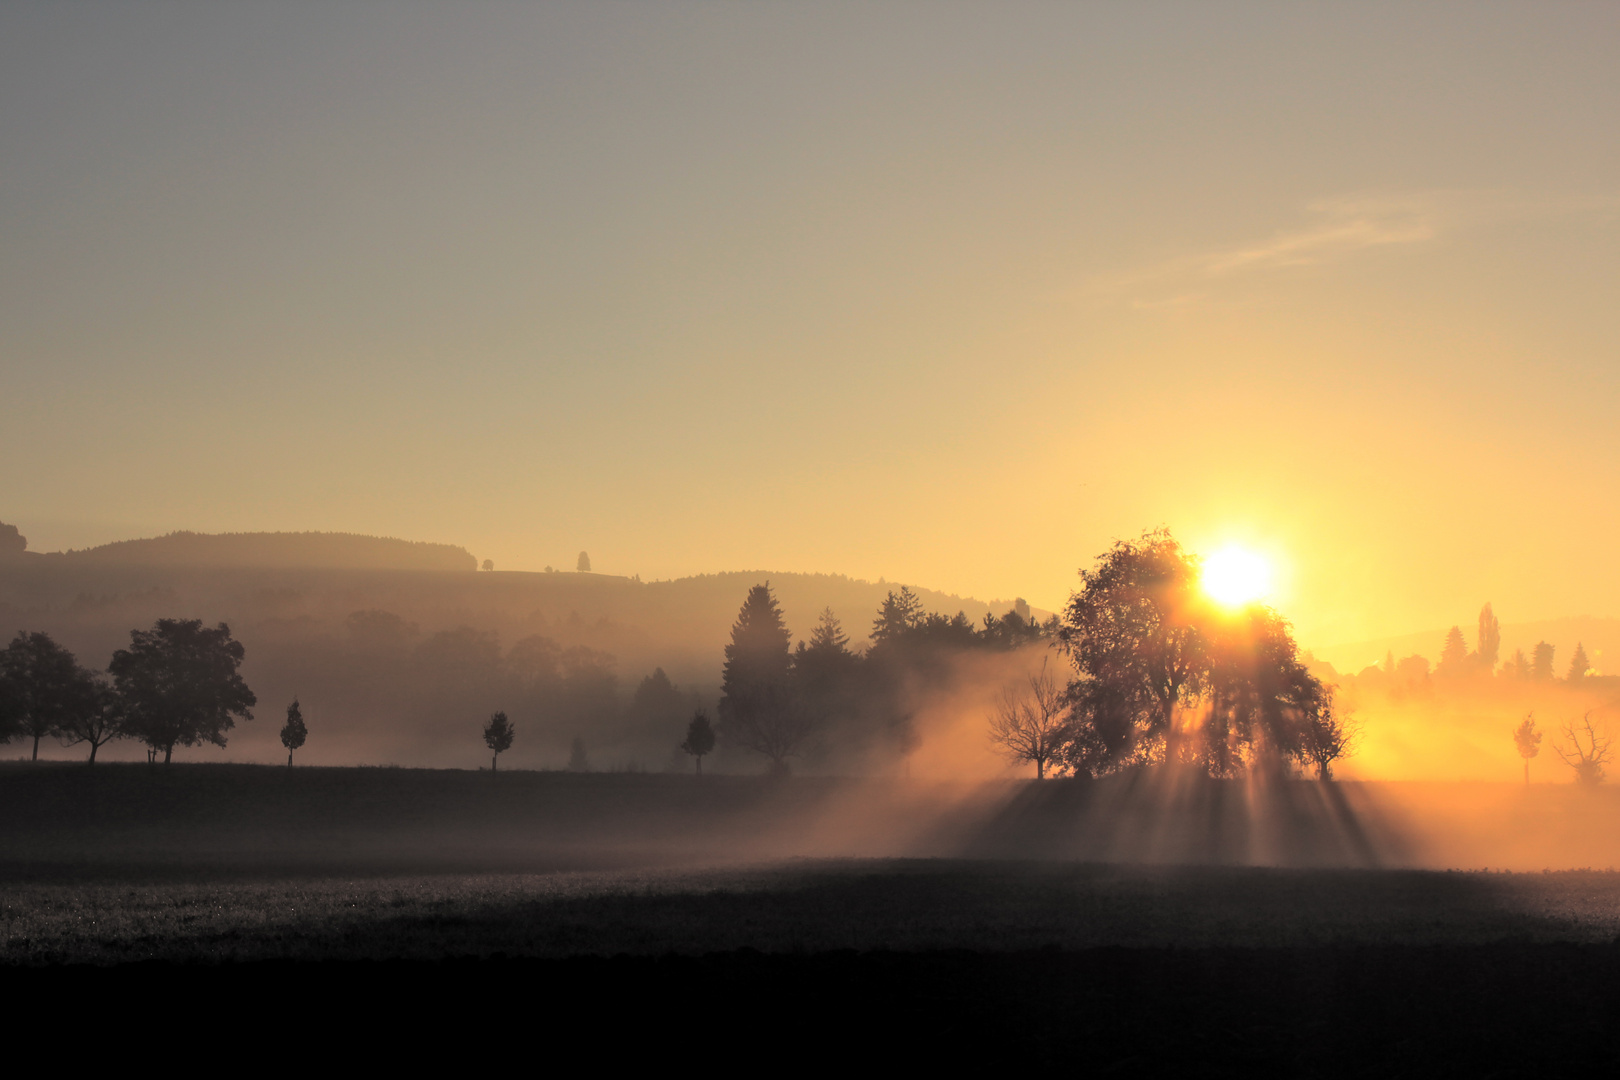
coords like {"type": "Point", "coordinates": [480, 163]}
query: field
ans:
{"type": "Point", "coordinates": [888, 912]}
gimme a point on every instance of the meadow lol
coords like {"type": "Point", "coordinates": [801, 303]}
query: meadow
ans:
{"type": "Point", "coordinates": [955, 914]}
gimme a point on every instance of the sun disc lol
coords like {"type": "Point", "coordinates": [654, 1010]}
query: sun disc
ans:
{"type": "Point", "coordinates": [1236, 576]}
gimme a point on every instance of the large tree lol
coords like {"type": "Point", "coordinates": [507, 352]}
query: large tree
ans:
{"type": "Point", "coordinates": [1135, 636]}
{"type": "Point", "coordinates": [179, 686]}
{"type": "Point", "coordinates": [1163, 675]}
{"type": "Point", "coordinates": [758, 710]}
{"type": "Point", "coordinates": [44, 691]}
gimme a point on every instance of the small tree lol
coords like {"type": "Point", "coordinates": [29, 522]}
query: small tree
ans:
{"type": "Point", "coordinates": [1587, 760]}
{"type": "Point", "coordinates": [498, 737]}
{"type": "Point", "coordinates": [98, 722]}
{"type": "Point", "coordinates": [1325, 737]}
{"type": "Point", "coordinates": [1541, 667]}
{"type": "Point", "coordinates": [1527, 740]}
{"type": "Point", "coordinates": [584, 564]}
{"type": "Point", "coordinates": [699, 738]}
{"type": "Point", "coordinates": [489, 564]}
{"type": "Point", "coordinates": [1454, 653]}
{"type": "Point", "coordinates": [293, 732]}
{"type": "Point", "coordinates": [1031, 721]}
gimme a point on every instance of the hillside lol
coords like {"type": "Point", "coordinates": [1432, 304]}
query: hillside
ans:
{"type": "Point", "coordinates": [278, 550]}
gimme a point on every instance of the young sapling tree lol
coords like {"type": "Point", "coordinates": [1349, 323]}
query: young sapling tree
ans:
{"type": "Point", "coordinates": [498, 737]}
{"type": "Point", "coordinates": [699, 738]}
{"type": "Point", "coordinates": [293, 732]}
{"type": "Point", "coordinates": [1527, 740]}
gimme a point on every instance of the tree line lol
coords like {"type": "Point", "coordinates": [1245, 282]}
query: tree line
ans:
{"type": "Point", "coordinates": [176, 684]}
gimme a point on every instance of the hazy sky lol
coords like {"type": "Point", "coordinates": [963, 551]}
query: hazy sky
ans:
{"type": "Point", "coordinates": [948, 294]}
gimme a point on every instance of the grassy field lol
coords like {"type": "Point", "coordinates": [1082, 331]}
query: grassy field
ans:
{"type": "Point", "coordinates": [896, 913]}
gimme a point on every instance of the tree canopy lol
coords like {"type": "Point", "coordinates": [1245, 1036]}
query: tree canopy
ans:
{"type": "Point", "coordinates": [44, 692]}
{"type": "Point", "coordinates": [179, 684]}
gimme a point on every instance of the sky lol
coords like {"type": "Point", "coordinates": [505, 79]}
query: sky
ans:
{"type": "Point", "coordinates": [948, 294]}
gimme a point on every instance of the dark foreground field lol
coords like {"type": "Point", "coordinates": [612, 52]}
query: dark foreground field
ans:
{"type": "Point", "coordinates": [620, 918]}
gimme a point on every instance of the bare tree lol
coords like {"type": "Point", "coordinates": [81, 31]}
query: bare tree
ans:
{"type": "Point", "coordinates": [1528, 742]}
{"type": "Point", "coordinates": [1587, 760]}
{"type": "Point", "coordinates": [1325, 736]}
{"type": "Point", "coordinates": [1031, 722]}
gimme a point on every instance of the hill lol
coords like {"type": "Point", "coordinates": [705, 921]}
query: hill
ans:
{"type": "Point", "coordinates": [279, 550]}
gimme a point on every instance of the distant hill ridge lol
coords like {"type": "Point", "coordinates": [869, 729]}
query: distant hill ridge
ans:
{"type": "Point", "coordinates": [281, 550]}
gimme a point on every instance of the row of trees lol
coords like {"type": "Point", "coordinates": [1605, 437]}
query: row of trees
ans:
{"type": "Point", "coordinates": [1586, 747]}
{"type": "Point", "coordinates": [176, 685]}
{"type": "Point", "coordinates": [1457, 659]}
{"type": "Point", "coordinates": [781, 702]}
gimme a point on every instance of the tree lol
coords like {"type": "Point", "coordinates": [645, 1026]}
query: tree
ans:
{"type": "Point", "coordinates": [699, 738]}
{"type": "Point", "coordinates": [498, 737]}
{"type": "Point", "coordinates": [899, 613]}
{"type": "Point", "coordinates": [1527, 740]}
{"type": "Point", "coordinates": [1490, 640]}
{"type": "Point", "coordinates": [1587, 760]}
{"type": "Point", "coordinates": [758, 712]}
{"type": "Point", "coordinates": [1135, 638]}
{"type": "Point", "coordinates": [1454, 653]}
{"type": "Point", "coordinates": [293, 732]}
{"type": "Point", "coordinates": [1578, 664]}
{"type": "Point", "coordinates": [98, 723]}
{"type": "Point", "coordinates": [178, 685]}
{"type": "Point", "coordinates": [584, 565]}
{"type": "Point", "coordinates": [1325, 737]}
{"type": "Point", "coordinates": [1163, 675]}
{"type": "Point", "coordinates": [46, 691]}
{"type": "Point", "coordinates": [1031, 721]}
{"type": "Point", "coordinates": [1541, 667]}
{"type": "Point", "coordinates": [656, 701]}
{"type": "Point", "coordinates": [489, 564]}
{"type": "Point", "coordinates": [12, 542]}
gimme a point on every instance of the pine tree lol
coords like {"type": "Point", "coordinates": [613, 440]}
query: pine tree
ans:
{"type": "Point", "coordinates": [1542, 666]}
{"type": "Point", "coordinates": [829, 636]}
{"type": "Point", "coordinates": [900, 612]}
{"type": "Point", "coordinates": [293, 733]}
{"type": "Point", "coordinates": [1454, 654]}
{"type": "Point", "coordinates": [757, 710]}
{"type": "Point", "coordinates": [1578, 664]}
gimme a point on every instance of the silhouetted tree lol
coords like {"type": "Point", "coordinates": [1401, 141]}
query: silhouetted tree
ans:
{"type": "Point", "coordinates": [498, 737]}
{"type": "Point", "coordinates": [699, 738]}
{"type": "Point", "coordinates": [1490, 640]}
{"type": "Point", "coordinates": [293, 732]}
{"type": "Point", "coordinates": [47, 691]}
{"type": "Point", "coordinates": [1527, 740]}
{"type": "Point", "coordinates": [577, 759]}
{"type": "Point", "coordinates": [98, 723]}
{"type": "Point", "coordinates": [757, 710]}
{"type": "Point", "coordinates": [1589, 758]}
{"type": "Point", "coordinates": [1518, 667]}
{"type": "Point", "coordinates": [1325, 737]}
{"type": "Point", "coordinates": [1031, 721]}
{"type": "Point", "coordinates": [1147, 649]}
{"type": "Point", "coordinates": [1579, 665]}
{"type": "Point", "coordinates": [1137, 645]}
{"type": "Point", "coordinates": [489, 564]}
{"type": "Point", "coordinates": [584, 565]}
{"type": "Point", "coordinates": [178, 684]}
{"type": "Point", "coordinates": [12, 542]}
{"type": "Point", "coordinates": [1454, 653]}
{"type": "Point", "coordinates": [1542, 665]}
{"type": "Point", "coordinates": [899, 613]}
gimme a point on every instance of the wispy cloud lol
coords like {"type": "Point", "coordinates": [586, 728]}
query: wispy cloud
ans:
{"type": "Point", "coordinates": [1333, 230]}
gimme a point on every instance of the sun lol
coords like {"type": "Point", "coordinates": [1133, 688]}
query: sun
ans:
{"type": "Point", "coordinates": [1235, 576]}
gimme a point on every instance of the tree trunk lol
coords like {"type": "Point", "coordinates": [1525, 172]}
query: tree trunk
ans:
{"type": "Point", "coordinates": [168, 753]}
{"type": "Point", "coordinates": [1040, 769]}
{"type": "Point", "coordinates": [699, 758]}
{"type": "Point", "coordinates": [494, 762]}
{"type": "Point", "coordinates": [1526, 772]}
{"type": "Point", "coordinates": [289, 759]}
{"type": "Point", "coordinates": [93, 748]}
{"type": "Point", "coordinates": [36, 748]}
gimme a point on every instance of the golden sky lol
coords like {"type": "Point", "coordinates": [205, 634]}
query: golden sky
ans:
{"type": "Point", "coordinates": [951, 294]}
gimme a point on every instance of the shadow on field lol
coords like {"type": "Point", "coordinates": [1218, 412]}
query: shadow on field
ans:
{"type": "Point", "coordinates": [1186, 818]}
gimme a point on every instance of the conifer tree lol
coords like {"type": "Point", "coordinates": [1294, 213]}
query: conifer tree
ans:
{"type": "Point", "coordinates": [757, 710]}
{"type": "Point", "coordinates": [1578, 664]}
{"type": "Point", "coordinates": [1454, 654]}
